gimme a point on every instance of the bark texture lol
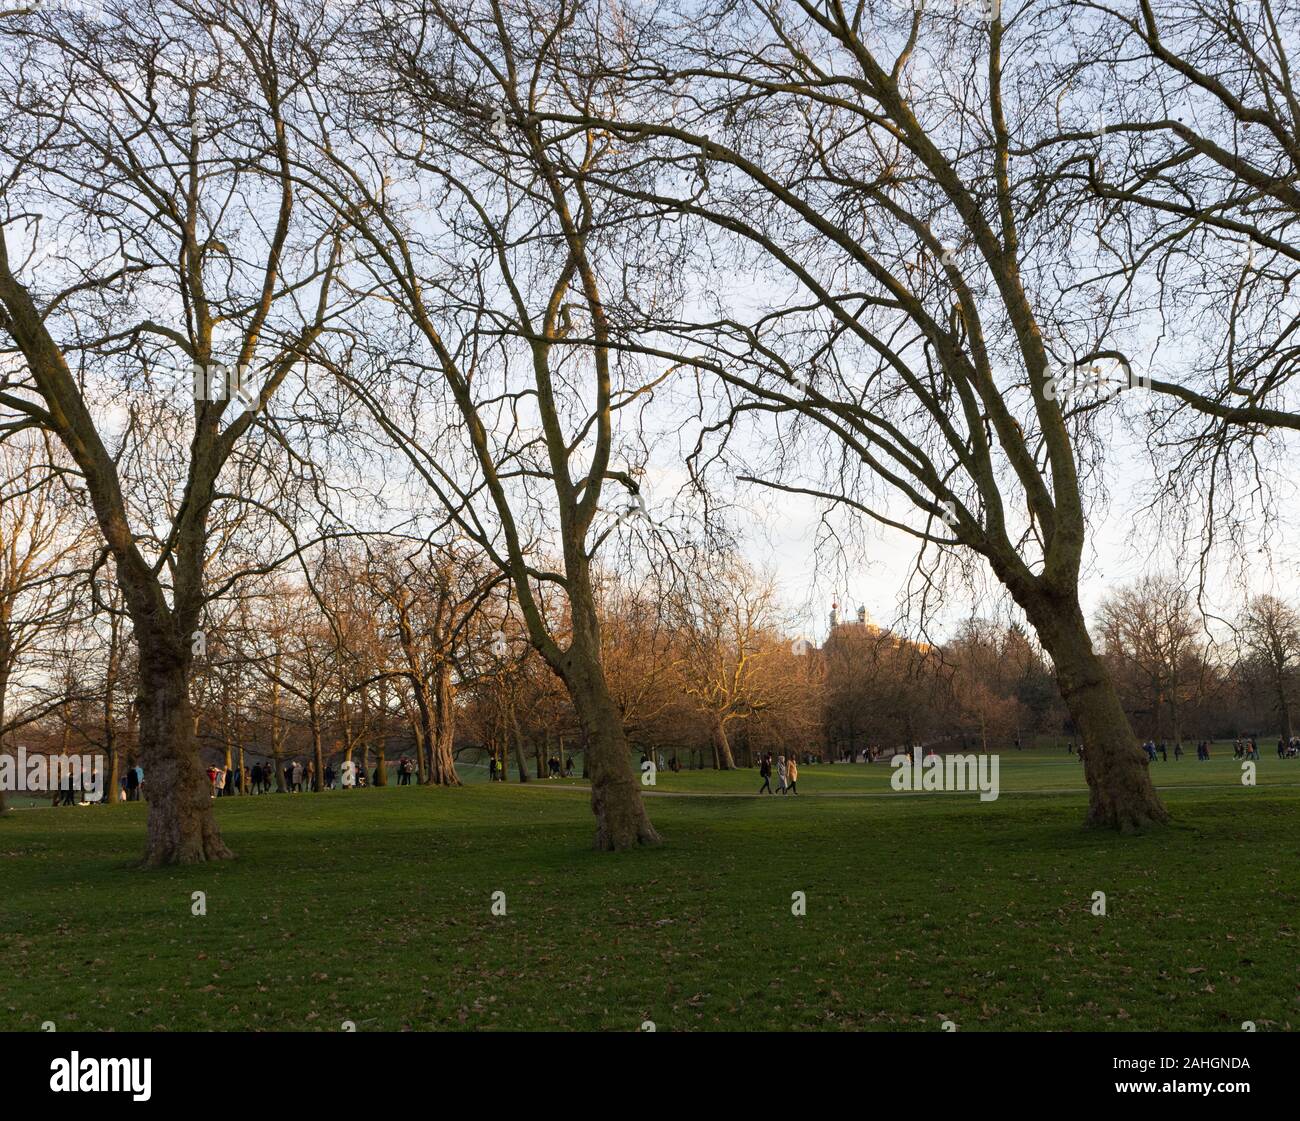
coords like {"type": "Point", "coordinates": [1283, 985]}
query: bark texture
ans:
{"type": "Point", "coordinates": [1121, 795]}
{"type": "Point", "coordinates": [181, 828]}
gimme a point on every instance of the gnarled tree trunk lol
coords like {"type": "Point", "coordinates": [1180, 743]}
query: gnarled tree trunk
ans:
{"type": "Point", "coordinates": [182, 828]}
{"type": "Point", "coordinates": [1120, 793]}
{"type": "Point", "coordinates": [442, 761]}
{"type": "Point", "coordinates": [621, 820]}
{"type": "Point", "coordinates": [723, 759]}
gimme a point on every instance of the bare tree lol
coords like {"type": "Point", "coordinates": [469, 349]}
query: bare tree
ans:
{"type": "Point", "coordinates": [41, 552]}
{"type": "Point", "coordinates": [1152, 634]}
{"type": "Point", "coordinates": [1270, 633]}
{"type": "Point", "coordinates": [729, 650]}
{"type": "Point", "coordinates": [516, 319]}
{"type": "Point", "coordinates": [151, 223]}
{"type": "Point", "coordinates": [917, 365]}
{"type": "Point", "coordinates": [428, 599]}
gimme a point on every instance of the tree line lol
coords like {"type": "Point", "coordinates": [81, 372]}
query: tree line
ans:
{"type": "Point", "coordinates": [382, 648]}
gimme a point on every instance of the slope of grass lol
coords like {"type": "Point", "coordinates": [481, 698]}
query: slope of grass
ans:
{"type": "Point", "coordinates": [375, 907]}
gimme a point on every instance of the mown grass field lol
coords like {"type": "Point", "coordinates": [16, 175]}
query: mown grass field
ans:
{"type": "Point", "coordinates": [375, 907]}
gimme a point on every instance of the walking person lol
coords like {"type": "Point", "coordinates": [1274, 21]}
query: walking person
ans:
{"type": "Point", "coordinates": [780, 775]}
{"type": "Point", "coordinates": [793, 769]}
{"type": "Point", "coordinates": [765, 772]}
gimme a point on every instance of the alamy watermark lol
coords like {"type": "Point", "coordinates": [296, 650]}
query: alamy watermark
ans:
{"type": "Point", "coordinates": [985, 11]}
{"type": "Point", "coordinates": [946, 772]}
{"type": "Point", "coordinates": [90, 1075]}
{"type": "Point", "coordinates": [43, 774]}
{"type": "Point", "coordinates": [88, 9]}
{"type": "Point", "coordinates": [1093, 380]}
{"type": "Point", "coordinates": [219, 382]}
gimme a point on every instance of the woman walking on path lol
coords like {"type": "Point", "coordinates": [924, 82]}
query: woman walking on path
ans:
{"type": "Point", "coordinates": [780, 774]}
{"type": "Point", "coordinates": [794, 774]}
{"type": "Point", "coordinates": [765, 771]}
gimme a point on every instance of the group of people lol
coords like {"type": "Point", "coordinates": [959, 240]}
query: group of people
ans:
{"type": "Point", "coordinates": [787, 774]}
{"type": "Point", "coordinates": [296, 777]}
{"type": "Point", "coordinates": [497, 771]}
{"type": "Point", "coordinates": [1160, 752]}
{"type": "Point", "coordinates": [1243, 747]}
{"type": "Point", "coordinates": [130, 784]}
{"type": "Point", "coordinates": [553, 767]}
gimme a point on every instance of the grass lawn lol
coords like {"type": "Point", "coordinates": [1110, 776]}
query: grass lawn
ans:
{"type": "Point", "coordinates": [374, 906]}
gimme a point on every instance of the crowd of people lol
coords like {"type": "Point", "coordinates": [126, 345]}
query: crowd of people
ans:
{"type": "Point", "coordinates": [298, 776]}
{"type": "Point", "coordinates": [1243, 747]}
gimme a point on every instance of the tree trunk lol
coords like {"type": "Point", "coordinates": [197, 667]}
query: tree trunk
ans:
{"type": "Point", "coordinates": [1120, 793]}
{"type": "Point", "coordinates": [111, 750]}
{"type": "Point", "coordinates": [4, 689]}
{"type": "Point", "coordinates": [277, 733]}
{"type": "Point", "coordinates": [621, 819]}
{"type": "Point", "coordinates": [182, 828]}
{"type": "Point", "coordinates": [517, 738]}
{"type": "Point", "coordinates": [442, 764]}
{"type": "Point", "coordinates": [318, 755]}
{"type": "Point", "coordinates": [424, 729]}
{"type": "Point", "coordinates": [723, 759]}
{"type": "Point", "coordinates": [1284, 709]}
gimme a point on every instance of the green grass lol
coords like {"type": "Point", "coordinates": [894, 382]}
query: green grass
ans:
{"type": "Point", "coordinates": [374, 906]}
